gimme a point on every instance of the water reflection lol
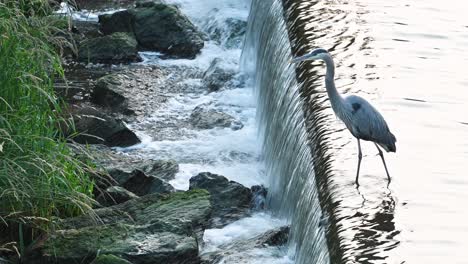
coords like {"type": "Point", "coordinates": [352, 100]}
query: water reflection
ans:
{"type": "Point", "coordinates": [375, 229]}
{"type": "Point", "coordinates": [406, 58]}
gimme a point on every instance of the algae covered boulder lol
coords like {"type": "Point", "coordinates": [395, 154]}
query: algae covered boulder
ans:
{"type": "Point", "coordinates": [151, 229]}
{"type": "Point", "coordinates": [109, 259]}
{"type": "Point", "coordinates": [116, 48]}
{"type": "Point", "coordinates": [115, 195]}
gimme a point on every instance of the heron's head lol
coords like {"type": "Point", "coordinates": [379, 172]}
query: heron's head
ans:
{"type": "Point", "coordinates": [316, 54]}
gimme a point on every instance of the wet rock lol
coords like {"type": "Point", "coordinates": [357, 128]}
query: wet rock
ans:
{"type": "Point", "coordinates": [109, 92]}
{"type": "Point", "coordinates": [100, 4]}
{"type": "Point", "coordinates": [147, 3]}
{"type": "Point", "coordinates": [109, 259]}
{"type": "Point", "coordinates": [206, 118]}
{"type": "Point", "coordinates": [242, 251]}
{"type": "Point", "coordinates": [86, 29]}
{"type": "Point", "coordinates": [276, 237]}
{"type": "Point", "coordinates": [151, 229]}
{"type": "Point", "coordinates": [122, 21]}
{"type": "Point", "coordinates": [164, 169]}
{"type": "Point", "coordinates": [115, 195]}
{"type": "Point", "coordinates": [158, 27]}
{"type": "Point", "coordinates": [259, 193]}
{"type": "Point", "coordinates": [217, 76]}
{"type": "Point", "coordinates": [115, 48]}
{"type": "Point", "coordinates": [95, 127]}
{"type": "Point", "coordinates": [141, 184]}
{"type": "Point", "coordinates": [230, 200]}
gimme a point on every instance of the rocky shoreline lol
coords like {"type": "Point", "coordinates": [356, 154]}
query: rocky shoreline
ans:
{"type": "Point", "coordinates": [140, 217]}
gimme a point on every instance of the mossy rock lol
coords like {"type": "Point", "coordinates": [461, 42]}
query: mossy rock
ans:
{"type": "Point", "coordinates": [110, 259]}
{"type": "Point", "coordinates": [157, 27]}
{"type": "Point", "coordinates": [152, 229]}
{"type": "Point", "coordinates": [116, 48]}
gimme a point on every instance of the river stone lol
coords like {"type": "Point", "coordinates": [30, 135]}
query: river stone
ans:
{"type": "Point", "coordinates": [157, 27]}
{"type": "Point", "coordinates": [109, 92]}
{"type": "Point", "coordinates": [217, 76]}
{"type": "Point", "coordinates": [95, 127]}
{"type": "Point", "coordinates": [164, 28]}
{"type": "Point", "coordinates": [203, 117]}
{"type": "Point", "coordinates": [152, 229]}
{"type": "Point", "coordinates": [141, 184]}
{"type": "Point", "coordinates": [115, 195]}
{"type": "Point", "coordinates": [109, 259]}
{"type": "Point", "coordinates": [122, 21]}
{"type": "Point", "coordinates": [244, 250]}
{"type": "Point", "coordinates": [116, 48]}
{"type": "Point", "coordinates": [230, 200]}
{"type": "Point", "coordinates": [163, 169]}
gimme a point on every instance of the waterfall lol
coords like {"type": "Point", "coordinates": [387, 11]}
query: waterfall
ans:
{"type": "Point", "coordinates": [291, 146]}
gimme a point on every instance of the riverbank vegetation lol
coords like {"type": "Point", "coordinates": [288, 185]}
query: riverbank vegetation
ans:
{"type": "Point", "coordinates": [40, 180]}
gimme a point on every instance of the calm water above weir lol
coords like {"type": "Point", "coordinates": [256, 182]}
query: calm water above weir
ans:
{"type": "Point", "coordinates": [409, 59]}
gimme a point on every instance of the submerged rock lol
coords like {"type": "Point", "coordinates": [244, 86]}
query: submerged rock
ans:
{"type": "Point", "coordinates": [158, 27]}
{"type": "Point", "coordinates": [151, 229]}
{"type": "Point", "coordinates": [115, 48]}
{"type": "Point", "coordinates": [95, 127]}
{"type": "Point", "coordinates": [242, 251]}
{"type": "Point", "coordinates": [217, 76]}
{"type": "Point", "coordinates": [230, 200]}
{"type": "Point", "coordinates": [115, 195]}
{"type": "Point", "coordinates": [229, 33]}
{"type": "Point", "coordinates": [206, 118]}
{"type": "Point", "coordinates": [259, 193]}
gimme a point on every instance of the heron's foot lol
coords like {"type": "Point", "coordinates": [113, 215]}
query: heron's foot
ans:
{"type": "Point", "coordinates": [357, 181]}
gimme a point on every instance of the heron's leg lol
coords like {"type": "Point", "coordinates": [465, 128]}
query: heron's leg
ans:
{"type": "Point", "coordinates": [359, 161]}
{"type": "Point", "coordinates": [383, 160]}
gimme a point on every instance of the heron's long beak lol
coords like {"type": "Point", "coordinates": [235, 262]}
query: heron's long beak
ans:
{"type": "Point", "coordinates": [309, 56]}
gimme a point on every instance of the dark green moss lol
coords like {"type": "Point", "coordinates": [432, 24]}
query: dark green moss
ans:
{"type": "Point", "coordinates": [109, 259]}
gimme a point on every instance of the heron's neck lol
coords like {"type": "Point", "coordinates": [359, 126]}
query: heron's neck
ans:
{"type": "Point", "coordinates": [335, 98]}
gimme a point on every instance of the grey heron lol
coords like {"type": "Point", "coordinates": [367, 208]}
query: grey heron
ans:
{"type": "Point", "coordinates": [360, 117]}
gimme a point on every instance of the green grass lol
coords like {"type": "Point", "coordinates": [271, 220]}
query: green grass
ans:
{"type": "Point", "coordinates": [39, 177]}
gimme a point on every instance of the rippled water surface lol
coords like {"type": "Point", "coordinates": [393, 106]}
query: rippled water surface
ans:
{"type": "Point", "coordinates": [409, 58]}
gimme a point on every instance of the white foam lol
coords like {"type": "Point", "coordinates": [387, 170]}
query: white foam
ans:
{"type": "Point", "coordinates": [247, 228]}
{"type": "Point", "coordinates": [210, 51]}
{"type": "Point", "coordinates": [242, 229]}
{"type": "Point", "coordinates": [82, 15]}
{"type": "Point", "coordinates": [200, 11]}
{"type": "Point", "coordinates": [247, 174]}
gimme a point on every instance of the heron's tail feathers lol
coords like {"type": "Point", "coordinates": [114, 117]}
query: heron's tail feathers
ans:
{"type": "Point", "coordinates": [389, 146]}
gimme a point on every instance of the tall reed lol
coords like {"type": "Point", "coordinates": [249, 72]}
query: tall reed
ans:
{"type": "Point", "coordinates": [39, 177]}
